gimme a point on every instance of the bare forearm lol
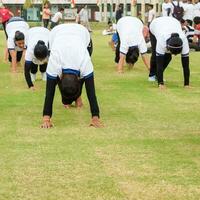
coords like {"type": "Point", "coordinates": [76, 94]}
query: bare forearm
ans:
{"type": "Point", "coordinates": [146, 61]}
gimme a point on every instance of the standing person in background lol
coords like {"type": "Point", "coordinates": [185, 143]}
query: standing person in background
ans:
{"type": "Point", "coordinates": [189, 11]}
{"type": "Point", "coordinates": [16, 29]}
{"type": "Point", "coordinates": [151, 14]}
{"type": "Point", "coordinates": [197, 9]}
{"type": "Point", "coordinates": [84, 18]}
{"type": "Point", "coordinates": [57, 17]}
{"type": "Point", "coordinates": [166, 8]}
{"type": "Point", "coordinates": [46, 14]}
{"type": "Point", "coordinates": [5, 15]}
{"type": "Point", "coordinates": [178, 9]}
{"type": "Point", "coordinates": [119, 13]}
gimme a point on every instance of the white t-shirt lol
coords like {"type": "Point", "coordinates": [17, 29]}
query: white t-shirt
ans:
{"type": "Point", "coordinates": [11, 28]}
{"type": "Point", "coordinates": [197, 10]}
{"type": "Point", "coordinates": [189, 11]}
{"type": "Point", "coordinates": [130, 33]}
{"type": "Point", "coordinates": [33, 36]}
{"type": "Point", "coordinates": [151, 15]}
{"type": "Point", "coordinates": [68, 44]}
{"type": "Point", "coordinates": [56, 17]}
{"type": "Point", "coordinates": [162, 28]}
{"type": "Point", "coordinates": [165, 8]}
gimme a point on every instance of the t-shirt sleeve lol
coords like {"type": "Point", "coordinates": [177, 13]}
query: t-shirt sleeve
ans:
{"type": "Point", "coordinates": [54, 68]}
{"type": "Point", "coordinates": [142, 46]}
{"type": "Point", "coordinates": [29, 55]}
{"type": "Point", "coordinates": [186, 49]}
{"type": "Point", "coordinates": [10, 44]}
{"type": "Point", "coordinates": [160, 47]}
{"type": "Point", "coordinates": [123, 48]}
{"type": "Point", "coordinates": [86, 69]}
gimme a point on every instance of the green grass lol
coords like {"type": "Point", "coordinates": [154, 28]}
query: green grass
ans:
{"type": "Point", "coordinates": [149, 148]}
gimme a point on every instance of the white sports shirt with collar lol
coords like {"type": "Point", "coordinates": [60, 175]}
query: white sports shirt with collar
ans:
{"type": "Point", "coordinates": [11, 28]}
{"type": "Point", "coordinates": [130, 33]}
{"type": "Point", "coordinates": [68, 45]}
{"type": "Point", "coordinates": [162, 28]}
{"type": "Point", "coordinates": [33, 36]}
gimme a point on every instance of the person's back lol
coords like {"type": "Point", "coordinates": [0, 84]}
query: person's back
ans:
{"type": "Point", "coordinates": [169, 25]}
{"type": "Point", "coordinates": [130, 30]}
{"type": "Point", "coordinates": [69, 43]}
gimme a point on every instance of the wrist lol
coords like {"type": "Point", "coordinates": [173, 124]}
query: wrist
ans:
{"type": "Point", "coordinates": [46, 118]}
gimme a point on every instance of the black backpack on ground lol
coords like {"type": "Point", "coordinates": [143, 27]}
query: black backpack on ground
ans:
{"type": "Point", "coordinates": [178, 11]}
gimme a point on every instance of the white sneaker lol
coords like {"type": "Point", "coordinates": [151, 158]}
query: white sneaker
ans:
{"type": "Point", "coordinates": [33, 77]}
{"type": "Point", "coordinates": [152, 78]}
{"type": "Point", "coordinates": [44, 76]}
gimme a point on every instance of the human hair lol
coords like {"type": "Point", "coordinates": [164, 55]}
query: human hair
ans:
{"type": "Point", "coordinates": [40, 50]}
{"type": "Point", "coordinates": [132, 55]}
{"type": "Point", "coordinates": [61, 9]}
{"type": "Point", "coordinates": [196, 20]}
{"type": "Point", "coordinates": [19, 36]}
{"type": "Point", "coordinates": [70, 86]}
{"type": "Point", "coordinates": [175, 44]}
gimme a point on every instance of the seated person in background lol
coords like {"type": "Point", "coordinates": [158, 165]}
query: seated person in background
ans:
{"type": "Point", "coordinates": [197, 29]}
{"type": "Point", "coordinates": [16, 30]}
{"type": "Point", "coordinates": [111, 28]}
{"type": "Point", "coordinates": [36, 54]}
{"type": "Point", "coordinates": [190, 34]}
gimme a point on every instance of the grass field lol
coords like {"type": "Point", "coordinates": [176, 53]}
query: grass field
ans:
{"type": "Point", "coordinates": [149, 148]}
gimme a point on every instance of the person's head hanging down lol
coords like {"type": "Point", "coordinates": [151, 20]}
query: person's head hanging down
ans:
{"type": "Point", "coordinates": [70, 86]}
{"type": "Point", "coordinates": [175, 44]}
{"type": "Point", "coordinates": [132, 55]}
{"type": "Point", "coordinates": [41, 50]}
{"type": "Point", "coordinates": [19, 39]}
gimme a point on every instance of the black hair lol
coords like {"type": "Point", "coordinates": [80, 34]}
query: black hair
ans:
{"type": "Point", "coordinates": [132, 55]}
{"type": "Point", "coordinates": [189, 22]}
{"type": "Point", "coordinates": [40, 50]}
{"type": "Point", "coordinates": [175, 44]}
{"type": "Point", "coordinates": [196, 20]}
{"type": "Point", "coordinates": [182, 21]}
{"type": "Point", "coordinates": [70, 86]}
{"type": "Point", "coordinates": [61, 9]}
{"type": "Point", "coordinates": [19, 36]}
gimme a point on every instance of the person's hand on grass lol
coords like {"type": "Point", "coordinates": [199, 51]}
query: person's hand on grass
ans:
{"type": "Point", "coordinates": [95, 122]}
{"type": "Point", "coordinates": [46, 122]}
{"type": "Point", "coordinates": [162, 87]}
{"type": "Point", "coordinates": [32, 88]}
{"type": "Point", "coordinates": [187, 86]}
